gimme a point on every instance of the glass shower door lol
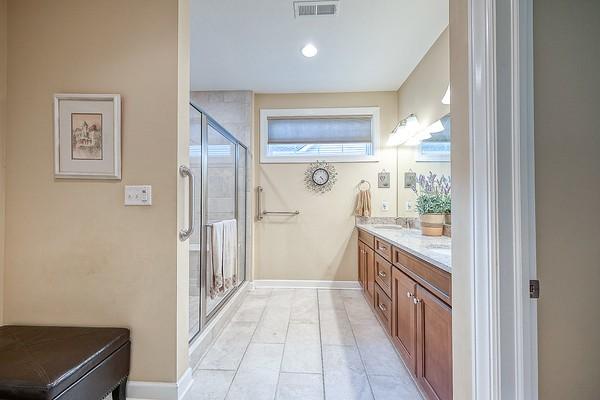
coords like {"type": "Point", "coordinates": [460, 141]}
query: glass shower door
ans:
{"type": "Point", "coordinates": [220, 164]}
{"type": "Point", "coordinates": [220, 204]}
{"type": "Point", "coordinates": [195, 255]}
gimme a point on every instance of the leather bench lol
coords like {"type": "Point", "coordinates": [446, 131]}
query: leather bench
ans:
{"type": "Point", "coordinates": [64, 363]}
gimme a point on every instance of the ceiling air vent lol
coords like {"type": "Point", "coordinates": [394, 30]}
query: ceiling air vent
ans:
{"type": "Point", "coordinates": [316, 8]}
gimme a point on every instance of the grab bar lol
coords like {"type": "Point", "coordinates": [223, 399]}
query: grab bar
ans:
{"type": "Point", "coordinates": [281, 212]}
{"type": "Point", "coordinates": [184, 234]}
{"type": "Point", "coordinates": [260, 213]}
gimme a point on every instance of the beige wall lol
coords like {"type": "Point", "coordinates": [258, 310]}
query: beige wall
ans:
{"type": "Point", "coordinates": [567, 163]}
{"type": "Point", "coordinates": [74, 254]}
{"type": "Point", "coordinates": [461, 217]}
{"type": "Point", "coordinates": [320, 243]}
{"type": "Point", "coordinates": [3, 81]}
{"type": "Point", "coordinates": [183, 145]}
{"type": "Point", "coordinates": [421, 94]}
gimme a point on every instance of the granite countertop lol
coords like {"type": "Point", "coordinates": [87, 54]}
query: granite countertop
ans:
{"type": "Point", "coordinates": [436, 250]}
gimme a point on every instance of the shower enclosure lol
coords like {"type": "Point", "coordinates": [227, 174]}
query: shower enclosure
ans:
{"type": "Point", "coordinates": [218, 192]}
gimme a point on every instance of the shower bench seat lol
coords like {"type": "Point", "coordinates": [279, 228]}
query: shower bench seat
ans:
{"type": "Point", "coordinates": [63, 363]}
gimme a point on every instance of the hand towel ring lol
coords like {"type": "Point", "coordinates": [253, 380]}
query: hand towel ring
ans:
{"type": "Point", "coordinates": [364, 181]}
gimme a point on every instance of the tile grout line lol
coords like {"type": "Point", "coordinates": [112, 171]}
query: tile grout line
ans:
{"type": "Point", "coordinates": [358, 350]}
{"type": "Point", "coordinates": [321, 346]}
{"type": "Point", "coordinates": [284, 343]}
{"type": "Point", "coordinates": [246, 349]}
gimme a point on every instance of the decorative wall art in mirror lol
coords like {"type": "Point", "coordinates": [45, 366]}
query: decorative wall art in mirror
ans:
{"type": "Point", "coordinates": [87, 136]}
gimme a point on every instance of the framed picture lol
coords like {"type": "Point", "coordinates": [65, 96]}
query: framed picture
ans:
{"type": "Point", "coordinates": [87, 136]}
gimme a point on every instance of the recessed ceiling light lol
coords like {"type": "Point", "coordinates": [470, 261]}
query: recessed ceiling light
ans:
{"type": "Point", "coordinates": [309, 50]}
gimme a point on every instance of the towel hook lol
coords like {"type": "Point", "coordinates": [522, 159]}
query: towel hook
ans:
{"type": "Point", "coordinates": [364, 181]}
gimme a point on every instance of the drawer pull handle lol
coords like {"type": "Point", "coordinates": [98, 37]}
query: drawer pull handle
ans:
{"type": "Point", "coordinates": [409, 294]}
{"type": "Point", "coordinates": [381, 274]}
{"type": "Point", "coordinates": [382, 248]}
{"type": "Point", "coordinates": [416, 301]}
{"type": "Point", "coordinates": [382, 307]}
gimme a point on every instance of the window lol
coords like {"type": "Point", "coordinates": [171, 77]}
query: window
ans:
{"type": "Point", "coordinates": [437, 147]}
{"type": "Point", "coordinates": [328, 134]}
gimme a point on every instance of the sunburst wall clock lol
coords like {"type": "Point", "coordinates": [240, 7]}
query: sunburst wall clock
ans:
{"type": "Point", "coordinates": [320, 177]}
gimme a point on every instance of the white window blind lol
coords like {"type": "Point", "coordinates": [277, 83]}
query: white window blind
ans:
{"type": "Point", "coordinates": [310, 134]}
{"type": "Point", "coordinates": [351, 129]}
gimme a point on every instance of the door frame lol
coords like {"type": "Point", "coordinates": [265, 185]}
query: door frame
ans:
{"type": "Point", "coordinates": [502, 200]}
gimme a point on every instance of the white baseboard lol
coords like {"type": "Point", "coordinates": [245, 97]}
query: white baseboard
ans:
{"type": "Point", "coordinates": [299, 284]}
{"type": "Point", "coordinates": [160, 390]}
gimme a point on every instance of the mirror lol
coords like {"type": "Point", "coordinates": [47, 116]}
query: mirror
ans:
{"type": "Point", "coordinates": [431, 154]}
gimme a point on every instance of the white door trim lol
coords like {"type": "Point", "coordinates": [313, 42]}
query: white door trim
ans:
{"type": "Point", "coordinates": [504, 337]}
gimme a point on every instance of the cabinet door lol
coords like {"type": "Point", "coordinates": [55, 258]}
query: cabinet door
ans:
{"type": "Point", "coordinates": [361, 264]}
{"type": "Point", "coordinates": [404, 317]}
{"type": "Point", "coordinates": [434, 346]}
{"type": "Point", "coordinates": [370, 273]}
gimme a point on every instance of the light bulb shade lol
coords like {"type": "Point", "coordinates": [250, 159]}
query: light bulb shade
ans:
{"type": "Point", "coordinates": [413, 141]}
{"type": "Point", "coordinates": [423, 135]}
{"type": "Point", "coordinates": [446, 98]}
{"type": "Point", "coordinates": [412, 123]}
{"type": "Point", "coordinates": [436, 127]}
{"type": "Point", "coordinates": [399, 135]}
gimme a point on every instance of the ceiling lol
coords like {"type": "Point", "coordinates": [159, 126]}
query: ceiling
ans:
{"type": "Point", "coordinates": [255, 44]}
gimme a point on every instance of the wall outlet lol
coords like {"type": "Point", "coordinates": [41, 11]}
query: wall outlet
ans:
{"type": "Point", "coordinates": [409, 206]}
{"type": "Point", "coordinates": [139, 195]}
{"type": "Point", "coordinates": [385, 206]}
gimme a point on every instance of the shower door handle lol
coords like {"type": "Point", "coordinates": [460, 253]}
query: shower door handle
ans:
{"type": "Point", "coordinates": [184, 234]}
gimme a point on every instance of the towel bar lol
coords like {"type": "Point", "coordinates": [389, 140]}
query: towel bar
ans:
{"type": "Point", "coordinates": [260, 213]}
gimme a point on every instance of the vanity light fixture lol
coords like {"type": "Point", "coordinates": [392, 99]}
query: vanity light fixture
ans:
{"type": "Point", "coordinates": [309, 50]}
{"type": "Point", "coordinates": [436, 127]}
{"type": "Point", "coordinates": [404, 131]}
{"type": "Point", "coordinates": [446, 98]}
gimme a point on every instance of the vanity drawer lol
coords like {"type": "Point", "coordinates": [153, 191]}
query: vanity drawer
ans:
{"type": "Point", "coordinates": [383, 248]}
{"type": "Point", "coordinates": [435, 280]}
{"type": "Point", "coordinates": [383, 274]}
{"type": "Point", "coordinates": [366, 238]}
{"type": "Point", "coordinates": [383, 308]}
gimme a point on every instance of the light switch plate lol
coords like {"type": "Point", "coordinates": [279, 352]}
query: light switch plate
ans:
{"type": "Point", "coordinates": [138, 195]}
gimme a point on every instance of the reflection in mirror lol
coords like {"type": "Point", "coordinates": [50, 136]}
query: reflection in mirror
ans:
{"type": "Point", "coordinates": [430, 155]}
{"type": "Point", "coordinates": [437, 147]}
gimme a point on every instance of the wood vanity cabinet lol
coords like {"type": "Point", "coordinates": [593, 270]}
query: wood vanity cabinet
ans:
{"type": "Point", "coordinates": [362, 279]}
{"type": "Point", "coordinates": [370, 274]}
{"type": "Point", "coordinates": [404, 318]}
{"type": "Point", "coordinates": [434, 345]}
{"type": "Point", "coordinates": [412, 299]}
{"type": "Point", "coordinates": [366, 265]}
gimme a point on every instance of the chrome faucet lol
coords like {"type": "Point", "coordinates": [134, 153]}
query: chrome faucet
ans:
{"type": "Point", "coordinates": [405, 222]}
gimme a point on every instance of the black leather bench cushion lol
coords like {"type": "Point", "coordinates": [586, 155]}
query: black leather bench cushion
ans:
{"type": "Point", "coordinates": [39, 362]}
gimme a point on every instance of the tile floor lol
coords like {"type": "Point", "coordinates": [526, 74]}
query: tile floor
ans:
{"type": "Point", "coordinates": [302, 344]}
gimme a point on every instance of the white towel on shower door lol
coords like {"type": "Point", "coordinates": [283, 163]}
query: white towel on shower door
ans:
{"type": "Point", "coordinates": [214, 260]}
{"type": "Point", "coordinates": [230, 244]}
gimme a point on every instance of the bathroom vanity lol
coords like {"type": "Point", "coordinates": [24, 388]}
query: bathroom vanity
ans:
{"type": "Point", "coordinates": [406, 278]}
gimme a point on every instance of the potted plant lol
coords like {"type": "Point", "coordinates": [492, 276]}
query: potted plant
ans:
{"type": "Point", "coordinates": [445, 186]}
{"type": "Point", "coordinates": [433, 203]}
